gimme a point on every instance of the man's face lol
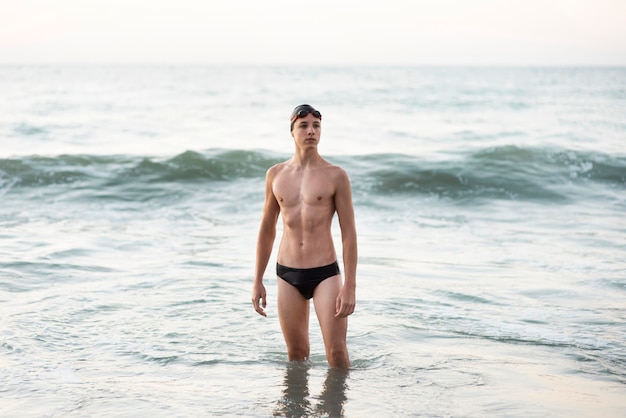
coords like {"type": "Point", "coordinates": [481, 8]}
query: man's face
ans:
{"type": "Point", "coordinates": [307, 130]}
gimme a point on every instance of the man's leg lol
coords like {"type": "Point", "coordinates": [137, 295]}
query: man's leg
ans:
{"type": "Point", "coordinates": [334, 330]}
{"type": "Point", "coordinates": [293, 314]}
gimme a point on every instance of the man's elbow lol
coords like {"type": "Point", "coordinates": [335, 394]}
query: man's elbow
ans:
{"type": "Point", "coordinates": [349, 237]}
{"type": "Point", "coordinates": [267, 229]}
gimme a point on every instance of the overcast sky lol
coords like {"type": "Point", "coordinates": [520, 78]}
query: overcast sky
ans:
{"type": "Point", "coordinates": [422, 32]}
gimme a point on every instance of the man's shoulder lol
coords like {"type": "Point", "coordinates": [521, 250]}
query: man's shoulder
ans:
{"type": "Point", "coordinates": [276, 168]}
{"type": "Point", "coordinates": [335, 170]}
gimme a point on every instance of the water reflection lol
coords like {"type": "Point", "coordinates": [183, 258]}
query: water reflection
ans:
{"type": "Point", "coordinates": [295, 400]}
{"type": "Point", "coordinates": [333, 395]}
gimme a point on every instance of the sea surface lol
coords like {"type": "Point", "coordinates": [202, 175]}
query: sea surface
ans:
{"type": "Point", "coordinates": [491, 217]}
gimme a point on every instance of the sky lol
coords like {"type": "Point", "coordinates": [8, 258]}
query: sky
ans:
{"type": "Point", "coordinates": [320, 32]}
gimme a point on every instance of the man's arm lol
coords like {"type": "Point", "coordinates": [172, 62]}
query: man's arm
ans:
{"type": "Point", "coordinates": [345, 212]}
{"type": "Point", "coordinates": [265, 242]}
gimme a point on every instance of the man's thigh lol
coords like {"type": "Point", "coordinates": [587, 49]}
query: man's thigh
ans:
{"type": "Point", "coordinates": [293, 314]}
{"type": "Point", "coordinates": [334, 329]}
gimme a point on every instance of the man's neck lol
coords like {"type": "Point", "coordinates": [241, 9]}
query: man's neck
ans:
{"type": "Point", "coordinates": [306, 157]}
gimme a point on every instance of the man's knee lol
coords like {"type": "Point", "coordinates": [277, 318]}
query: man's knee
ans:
{"type": "Point", "coordinates": [298, 353]}
{"type": "Point", "coordinates": [338, 356]}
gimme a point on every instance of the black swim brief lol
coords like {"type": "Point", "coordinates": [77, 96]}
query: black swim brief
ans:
{"type": "Point", "coordinates": [306, 280]}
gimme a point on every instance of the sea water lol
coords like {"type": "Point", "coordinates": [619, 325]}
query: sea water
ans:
{"type": "Point", "coordinates": [490, 207]}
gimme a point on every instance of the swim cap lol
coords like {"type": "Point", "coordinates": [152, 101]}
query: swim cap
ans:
{"type": "Point", "coordinates": [301, 111]}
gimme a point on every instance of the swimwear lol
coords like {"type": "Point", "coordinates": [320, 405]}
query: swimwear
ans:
{"type": "Point", "coordinates": [306, 280]}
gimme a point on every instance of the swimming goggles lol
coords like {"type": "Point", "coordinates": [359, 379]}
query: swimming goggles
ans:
{"type": "Point", "coordinates": [303, 110]}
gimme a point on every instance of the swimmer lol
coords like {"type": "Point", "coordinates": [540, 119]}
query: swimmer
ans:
{"type": "Point", "coordinates": [307, 191]}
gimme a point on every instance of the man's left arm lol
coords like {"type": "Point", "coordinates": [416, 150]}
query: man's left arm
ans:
{"type": "Point", "coordinates": [346, 300]}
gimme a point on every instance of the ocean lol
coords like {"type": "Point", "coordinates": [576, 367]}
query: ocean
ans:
{"type": "Point", "coordinates": [490, 206]}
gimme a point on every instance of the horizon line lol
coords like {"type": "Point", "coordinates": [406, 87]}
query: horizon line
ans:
{"type": "Point", "coordinates": [318, 65]}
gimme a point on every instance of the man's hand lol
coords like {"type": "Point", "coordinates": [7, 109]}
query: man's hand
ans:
{"type": "Point", "coordinates": [345, 303]}
{"type": "Point", "coordinates": [258, 296]}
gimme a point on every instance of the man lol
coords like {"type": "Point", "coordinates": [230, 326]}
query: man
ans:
{"type": "Point", "coordinates": [308, 190]}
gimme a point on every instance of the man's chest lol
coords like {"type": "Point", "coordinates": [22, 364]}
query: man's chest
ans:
{"type": "Point", "coordinates": [309, 190]}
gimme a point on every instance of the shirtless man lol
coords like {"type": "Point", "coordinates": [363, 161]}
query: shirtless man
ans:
{"type": "Point", "coordinates": [308, 191]}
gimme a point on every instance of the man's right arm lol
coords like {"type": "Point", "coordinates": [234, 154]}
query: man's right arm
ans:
{"type": "Point", "coordinates": [265, 242]}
